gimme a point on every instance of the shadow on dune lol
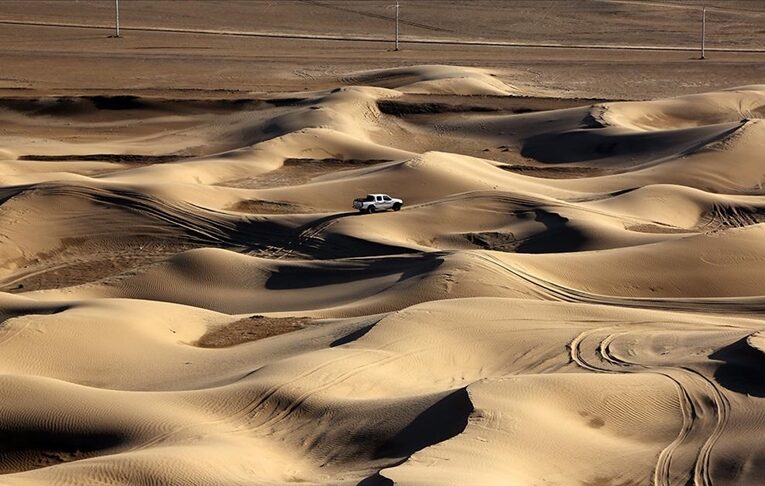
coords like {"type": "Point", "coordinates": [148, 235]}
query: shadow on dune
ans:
{"type": "Point", "coordinates": [376, 480]}
{"type": "Point", "coordinates": [324, 221]}
{"type": "Point", "coordinates": [353, 336]}
{"type": "Point", "coordinates": [22, 449]}
{"type": "Point", "coordinates": [66, 106]}
{"type": "Point", "coordinates": [343, 246]}
{"type": "Point", "coordinates": [637, 148]}
{"type": "Point", "coordinates": [308, 239]}
{"type": "Point", "coordinates": [443, 420]}
{"type": "Point", "coordinates": [9, 313]}
{"type": "Point", "coordinates": [558, 237]}
{"type": "Point", "coordinates": [743, 368]}
{"type": "Point", "coordinates": [301, 277]}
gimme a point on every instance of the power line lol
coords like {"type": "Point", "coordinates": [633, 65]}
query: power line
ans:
{"type": "Point", "coordinates": [397, 8]}
{"type": "Point", "coordinates": [703, 29]}
{"type": "Point", "coordinates": [116, 18]}
{"type": "Point", "coordinates": [680, 6]}
{"type": "Point", "coordinates": [386, 39]}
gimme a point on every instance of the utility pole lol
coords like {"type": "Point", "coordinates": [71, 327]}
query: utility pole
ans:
{"type": "Point", "coordinates": [703, 29]}
{"type": "Point", "coordinates": [116, 18]}
{"type": "Point", "coordinates": [397, 6]}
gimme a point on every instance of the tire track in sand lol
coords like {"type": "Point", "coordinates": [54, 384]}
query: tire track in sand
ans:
{"type": "Point", "coordinates": [704, 409]}
{"type": "Point", "coordinates": [555, 291]}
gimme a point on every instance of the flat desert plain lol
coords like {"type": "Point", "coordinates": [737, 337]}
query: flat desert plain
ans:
{"type": "Point", "coordinates": [572, 294]}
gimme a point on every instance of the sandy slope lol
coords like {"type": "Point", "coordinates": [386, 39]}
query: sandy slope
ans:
{"type": "Point", "coordinates": [569, 296]}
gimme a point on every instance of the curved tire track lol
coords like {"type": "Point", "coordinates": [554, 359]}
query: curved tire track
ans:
{"type": "Point", "coordinates": [555, 291]}
{"type": "Point", "coordinates": [704, 408]}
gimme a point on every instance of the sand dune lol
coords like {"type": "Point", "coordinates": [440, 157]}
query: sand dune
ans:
{"type": "Point", "coordinates": [569, 295]}
{"type": "Point", "coordinates": [435, 79]}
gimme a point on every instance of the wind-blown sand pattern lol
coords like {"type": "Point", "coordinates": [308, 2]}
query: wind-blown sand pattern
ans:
{"type": "Point", "coordinates": [570, 296]}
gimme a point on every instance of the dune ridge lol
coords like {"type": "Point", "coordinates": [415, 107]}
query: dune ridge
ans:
{"type": "Point", "coordinates": [569, 296]}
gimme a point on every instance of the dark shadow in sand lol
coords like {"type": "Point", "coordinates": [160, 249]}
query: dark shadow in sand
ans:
{"type": "Point", "coordinates": [558, 236]}
{"type": "Point", "coordinates": [353, 336]}
{"type": "Point", "coordinates": [302, 277]}
{"type": "Point", "coordinates": [258, 234]}
{"type": "Point", "coordinates": [23, 449]}
{"type": "Point", "coordinates": [743, 368]}
{"type": "Point", "coordinates": [443, 420]}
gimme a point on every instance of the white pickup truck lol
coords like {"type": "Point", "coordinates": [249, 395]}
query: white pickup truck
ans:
{"type": "Point", "coordinates": [377, 202]}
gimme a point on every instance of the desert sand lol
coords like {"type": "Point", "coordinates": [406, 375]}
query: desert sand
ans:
{"type": "Point", "coordinates": [572, 294]}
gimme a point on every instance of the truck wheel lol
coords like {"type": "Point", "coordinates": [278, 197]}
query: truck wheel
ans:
{"type": "Point", "coordinates": [371, 209]}
{"type": "Point", "coordinates": [396, 207]}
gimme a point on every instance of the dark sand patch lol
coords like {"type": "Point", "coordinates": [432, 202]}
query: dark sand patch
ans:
{"type": "Point", "coordinates": [250, 329]}
{"type": "Point", "coordinates": [493, 240]}
{"type": "Point", "coordinates": [657, 228]}
{"type": "Point", "coordinates": [554, 172]}
{"type": "Point", "coordinates": [260, 206]}
{"type": "Point", "coordinates": [414, 104]}
{"type": "Point", "coordinates": [120, 158]}
{"type": "Point", "coordinates": [71, 266]}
